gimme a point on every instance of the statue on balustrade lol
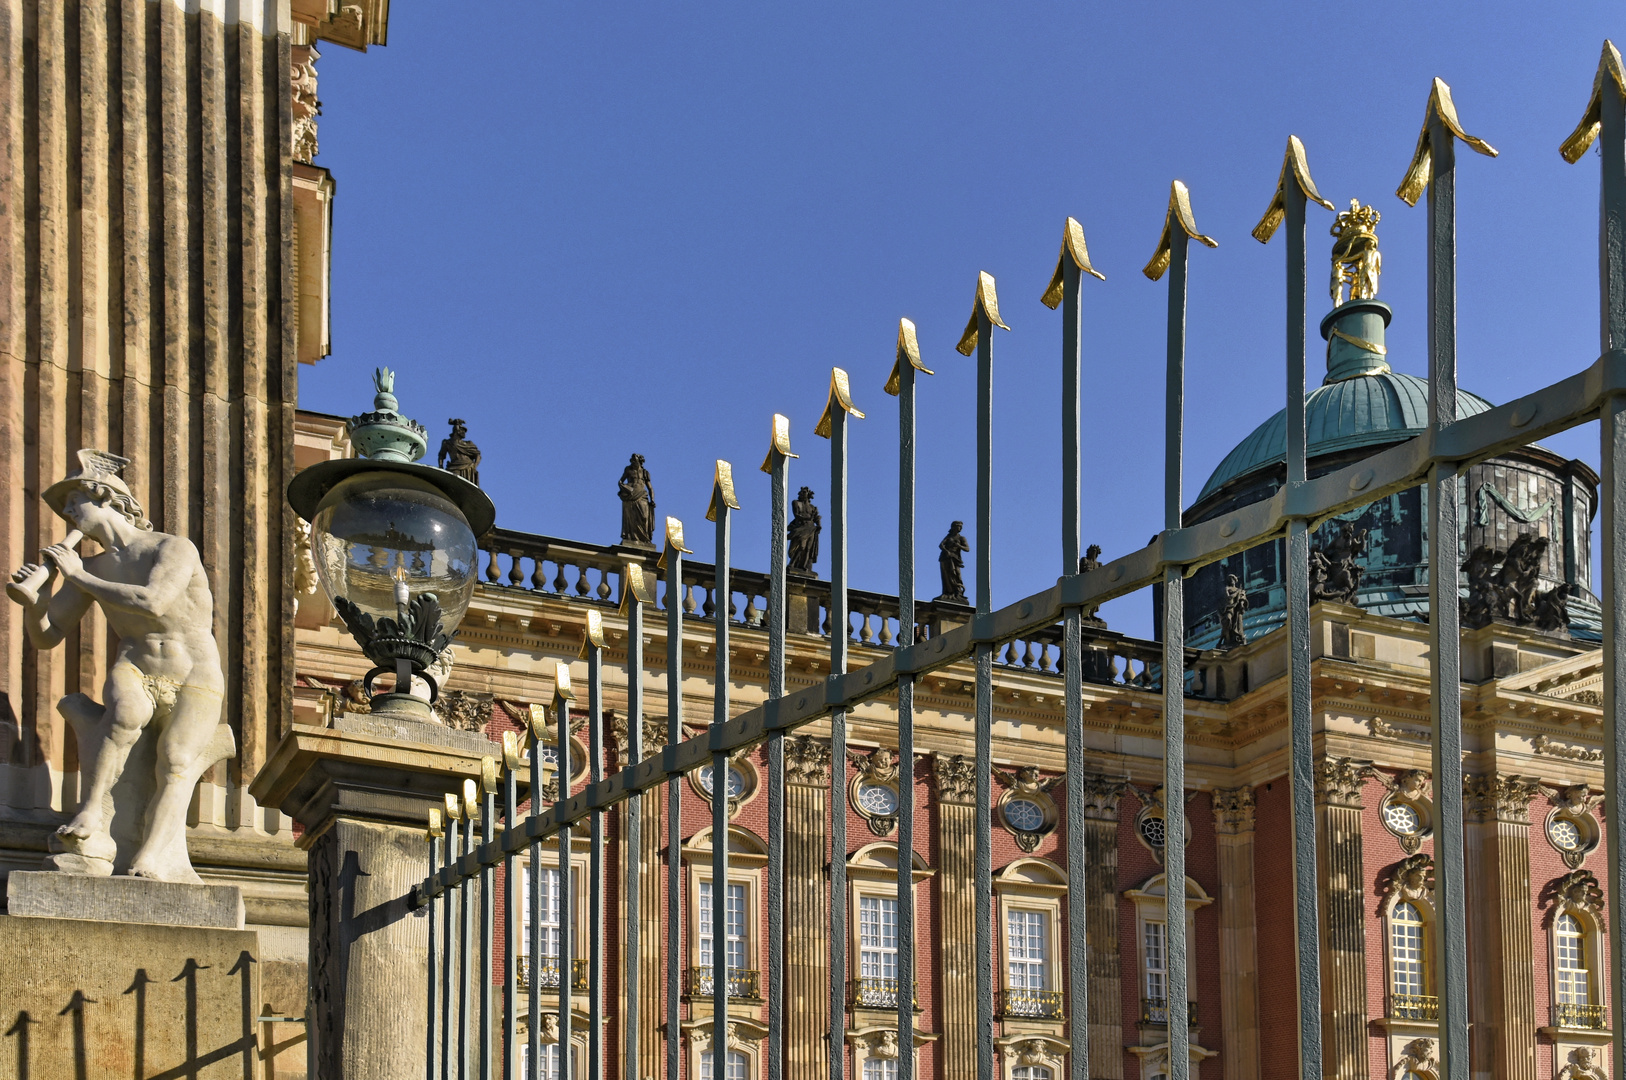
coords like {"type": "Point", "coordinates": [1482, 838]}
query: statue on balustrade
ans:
{"type": "Point", "coordinates": [458, 455]}
{"type": "Point", "coordinates": [1336, 575]}
{"type": "Point", "coordinates": [1235, 610]}
{"type": "Point", "coordinates": [157, 729]}
{"type": "Point", "coordinates": [637, 504]}
{"type": "Point", "coordinates": [1503, 585]}
{"type": "Point", "coordinates": [805, 526]}
{"type": "Point", "coordinates": [1092, 561]}
{"type": "Point", "coordinates": [951, 563]}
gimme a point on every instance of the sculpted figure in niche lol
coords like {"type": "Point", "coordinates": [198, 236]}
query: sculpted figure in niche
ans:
{"type": "Point", "coordinates": [637, 504]}
{"type": "Point", "coordinates": [804, 529]}
{"type": "Point", "coordinates": [158, 727]}
{"type": "Point", "coordinates": [951, 563]}
{"type": "Point", "coordinates": [458, 455]}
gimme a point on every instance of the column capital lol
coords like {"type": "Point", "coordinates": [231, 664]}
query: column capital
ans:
{"type": "Point", "coordinates": [956, 778]}
{"type": "Point", "coordinates": [1233, 810]}
{"type": "Point", "coordinates": [1338, 781]}
{"type": "Point", "coordinates": [1100, 794]}
{"type": "Point", "coordinates": [1499, 797]}
{"type": "Point", "coordinates": [807, 761]}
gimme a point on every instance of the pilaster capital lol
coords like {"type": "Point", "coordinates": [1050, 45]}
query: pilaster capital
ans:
{"type": "Point", "coordinates": [1338, 781]}
{"type": "Point", "coordinates": [1233, 810]}
{"type": "Point", "coordinates": [1099, 795]}
{"type": "Point", "coordinates": [807, 761]}
{"type": "Point", "coordinates": [654, 738]}
{"type": "Point", "coordinates": [1497, 797]}
{"type": "Point", "coordinates": [956, 778]}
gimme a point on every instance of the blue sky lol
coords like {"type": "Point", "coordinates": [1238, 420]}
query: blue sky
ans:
{"type": "Point", "coordinates": [593, 230]}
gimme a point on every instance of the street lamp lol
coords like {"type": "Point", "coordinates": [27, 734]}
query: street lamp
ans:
{"type": "Point", "coordinates": [394, 544]}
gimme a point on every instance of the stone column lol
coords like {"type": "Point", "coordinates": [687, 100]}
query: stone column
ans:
{"type": "Point", "coordinates": [956, 782]}
{"type": "Point", "coordinates": [363, 790]}
{"type": "Point", "coordinates": [1239, 955]}
{"type": "Point", "coordinates": [1100, 915]}
{"type": "Point", "coordinates": [1339, 872]}
{"type": "Point", "coordinates": [1498, 812]}
{"type": "Point", "coordinates": [807, 920]}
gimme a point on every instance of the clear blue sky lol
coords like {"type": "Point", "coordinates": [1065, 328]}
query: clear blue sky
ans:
{"type": "Point", "coordinates": [592, 230]}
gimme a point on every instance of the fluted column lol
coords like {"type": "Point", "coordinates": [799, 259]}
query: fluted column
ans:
{"type": "Point", "coordinates": [807, 922]}
{"type": "Point", "coordinates": [1497, 809]}
{"type": "Point", "coordinates": [1239, 954]}
{"type": "Point", "coordinates": [956, 783]}
{"type": "Point", "coordinates": [1100, 914]}
{"type": "Point", "coordinates": [1339, 871]}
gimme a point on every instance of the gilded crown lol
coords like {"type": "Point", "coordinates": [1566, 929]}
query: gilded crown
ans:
{"type": "Point", "coordinates": [1357, 219]}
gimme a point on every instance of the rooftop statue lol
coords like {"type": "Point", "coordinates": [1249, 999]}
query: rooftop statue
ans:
{"type": "Point", "coordinates": [1355, 258]}
{"type": "Point", "coordinates": [637, 504]}
{"type": "Point", "coordinates": [951, 563]}
{"type": "Point", "coordinates": [805, 526]}
{"type": "Point", "coordinates": [142, 750]}
{"type": "Point", "coordinates": [458, 455]}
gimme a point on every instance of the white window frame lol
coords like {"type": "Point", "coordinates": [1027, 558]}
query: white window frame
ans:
{"type": "Point", "coordinates": [518, 919]}
{"type": "Point", "coordinates": [872, 872]}
{"type": "Point", "coordinates": [747, 860]}
{"type": "Point", "coordinates": [1151, 906]}
{"type": "Point", "coordinates": [1027, 886]}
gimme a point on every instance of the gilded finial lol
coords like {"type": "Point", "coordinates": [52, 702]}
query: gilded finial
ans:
{"type": "Point", "coordinates": [634, 587]}
{"type": "Point", "coordinates": [841, 397]}
{"type": "Point", "coordinates": [1294, 165]}
{"type": "Point", "coordinates": [488, 775]}
{"type": "Point", "coordinates": [513, 751]}
{"type": "Point", "coordinates": [1356, 261]}
{"type": "Point", "coordinates": [908, 353]}
{"type": "Point", "coordinates": [435, 829]}
{"type": "Point", "coordinates": [781, 442]}
{"type": "Point", "coordinates": [562, 693]}
{"type": "Point", "coordinates": [454, 807]}
{"type": "Point", "coordinates": [1178, 213]}
{"type": "Point", "coordinates": [1421, 169]}
{"type": "Point", "coordinates": [674, 541]}
{"type": "Point", "coordinates": [471, 800]}
{"type": "Point", "coordinates": [592, 633]}
{"type": "Point", "coordinates": [537, 720]}
{"type": "Point", "coordinates": [987, 301]}
{"type": "Point", "coordinates": [1609, 67]}
{"type": "Point", "coordinates": [722, 490]}
{"type": "Point", "coordinates": [1072, 247]}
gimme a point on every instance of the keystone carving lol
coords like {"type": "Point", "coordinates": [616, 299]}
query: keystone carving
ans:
{"type": "Point", "coordinates": [884, 1044]}
{"type": "Point", "coordinates": [1578, 890]}
{"type": "Point", "coordinates": [956, 778]}
{"type": "Point", "coordinates": [1411, 880]}
{"type": "Point", "coordinates": [1583, 1065]}
{"type": "Point", "coordinates": [1418, 1056]}
{"type": "Point", "coordinates": [1030, 1053]}
{"type": "Point", "coordinates": [1338, 781]}
{"type": "Point", "coordinates": [807, 761]}
{"type": "Point", "coordinates": [1504, 798]}
{"type": "Point", "coordinates": [1233, 810]}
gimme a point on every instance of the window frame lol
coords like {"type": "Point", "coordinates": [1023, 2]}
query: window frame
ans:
{"type": "Point", "coordinates": [1422, 904]}
{"type": "Point", "coordinates": [747, 860]}
{"type": "Point", "coordinates": [549, 860]}
{"type": "Point", "coordinates": [1151, 905]}
{"type": "Point", "coordinates": [1032, 884]}
{"type": "Point", "coordinates": [872, 872]}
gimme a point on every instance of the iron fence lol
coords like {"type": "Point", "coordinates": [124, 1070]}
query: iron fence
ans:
{"type": "Point", "coordinates": [461, 995]}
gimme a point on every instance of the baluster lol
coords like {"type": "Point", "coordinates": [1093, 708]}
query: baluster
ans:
{"type": "Point", "coordinates": [516, 576]}
{"type": "Point", "coordinates": [539, 578]}
{"type": "Point", "coordinates": [1010, 654]}
{"type": "Point", "coordinates": [866, 635]}
{"type": "Point", "coordinates": [582, 587]}
{"type": "Point", "coordinates": [886, 632]}
{"type": "Point", "coordinates": [493, 574]}
{"type": "Point", "coordinates": [1031, 658]}
{"type": "Point", "coordinates": [1046, 663]}
{"type": "Point", "coordinates": [559, 581]}
{"type": "Point", "coordinates": [688, 598]}
{"type": "Point", "coordinates": [603, 583]}
{"type": "Point", "coordinates": [709, 607]}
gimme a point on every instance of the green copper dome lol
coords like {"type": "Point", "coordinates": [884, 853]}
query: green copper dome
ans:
{"type": "Point", "coordinates": [1365, 410]}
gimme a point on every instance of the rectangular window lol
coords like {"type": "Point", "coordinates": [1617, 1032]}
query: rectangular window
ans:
{"type": "Point", "coordinates": [735, 925]}
{"type": "Point", "coordinates": [1157, 963]}
{"type": "Point", "coordinates": [736, 1066]}
{"type": "Point", "coordinates": [878, 937]}
{"type": "Point", "coordinates": [1027, 944]}
{"type": "Point", "coordinates": [550, 912]}
{"type": "Point", "coordinates": [881, 1069]}
{"type": "Point", "coordinates": [550, 1060]}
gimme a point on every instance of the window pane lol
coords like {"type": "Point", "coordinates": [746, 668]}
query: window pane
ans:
{"type": "Point", "coordinates": [878, 937]}
{"type": "Point", "coordinates": [1406, 949]}
{"type": "Point", "coordinates": [1156, 963]}
{"type": "Point", "coordinates": [1027, 943]}
{"type": "Point", "coordinates": [880, 1069]}
{"type": "Point", "coordinates": [1574, 987]}
{"type": "Point", "coordinates": [737, 1065]}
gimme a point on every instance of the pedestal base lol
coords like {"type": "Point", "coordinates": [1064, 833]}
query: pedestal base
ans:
{"type": "Point", "coordinates": [43, 894]}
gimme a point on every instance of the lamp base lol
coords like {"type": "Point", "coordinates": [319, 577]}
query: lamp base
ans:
{"type": "Point", "coordinates": [403, 707]}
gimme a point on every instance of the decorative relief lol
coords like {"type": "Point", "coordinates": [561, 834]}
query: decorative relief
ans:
{"type": "Point", "coordinates": [654, 738]}
{"type": "Point", "coordinates": [354, 698]}
{"type": "Point", "coordinates": [704, 1037]}
{"type": "Point", "coordinates": [304, 563]}
{"type": "Point", "coordinates": [956, 777]}
{"type": "Point", "coordinates": [1338, 780]}
{"type": "Point", "coordinates": [1541, 744]}
{"type": "Point", "coordinates": [807, 761]}
{"type": "Point", "coordinates": [464, 710]}
{"type": "Point", "coordinates": [1584, 1064]}
{"type": "Point", "coordinates": [1036, 1053]}
{"type": "Point", "coordinates": [1026, 808]}
{"type": "Point", "coordinates": [1380, 727]}
{"type": "Point", "coordinates": [1419, 1056]}
{"type": "Point", "coordinates": [884, 1044]}
{"type": "Point", "coordinates": [1506, 798]}
{"type": "Point", "coordinates": [1233, 810]}
{"type": "Point", "coordinates": [1411, 880]}
{"type": "Point", "coordinates": [1578, 890]}
{"type": "Point", "coordinates": [1407, 812]}
{"type": "Point", "coordinates": [1587, 697]}
{"type": "Point", "coordinates": [305, 106]}
{"type": "Point", "coordinates": [875, 790]}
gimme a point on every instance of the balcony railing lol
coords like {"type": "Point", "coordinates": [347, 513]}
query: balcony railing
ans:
{"type": "Point", "coordinates": [1569, 1015]}
{"type": "Point", "coordinates": [1156, 1011]}
{"type": "Point", "coordinates": [1031, 1004]}
{"type": "Point", "coordinates": [869, 992]}
{"type": "Point", "coordinates": [547, 973]}
{"type": "Point", "coordinates": [744, 984]}
{"type": "Point", "coordinates": [1414, 1007]}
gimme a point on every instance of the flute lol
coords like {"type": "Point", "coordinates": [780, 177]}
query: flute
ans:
{"type": "Point", "coordinates": [27, 591]}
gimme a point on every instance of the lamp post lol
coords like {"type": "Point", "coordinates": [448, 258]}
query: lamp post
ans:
{"type": "Point", "coordinates": [395, 547]}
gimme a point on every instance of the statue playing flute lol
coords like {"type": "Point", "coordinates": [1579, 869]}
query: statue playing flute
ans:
{"type": "Point", "coordinates": [143, 749]}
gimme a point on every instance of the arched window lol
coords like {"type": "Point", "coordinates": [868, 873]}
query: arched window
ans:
{"type": "Point", "coordinates": [737, 1066]}
{"type": "Point", "coordinates": [1574, 987]}
{"type": "Point", "coordinates": [1408, 984]}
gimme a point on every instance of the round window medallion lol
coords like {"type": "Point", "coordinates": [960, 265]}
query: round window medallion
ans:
{"type": "Point", "coordinates": [1565, 835]}
{"type": "Point", "coordinates": [1153, 830]}
{"type": "Point", "coordinates": [1401, 819]}
{"type": "Point", "coordinates": [878, 799]}
{"type": "Point", "coordinates": [1024, 815]}
{"type": "Point", "coordinates": [736, 781]}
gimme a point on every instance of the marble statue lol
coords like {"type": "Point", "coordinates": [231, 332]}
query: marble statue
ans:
{"type": "Point", "coordinates": [805, 526]}
{"type": "Point", "coordinates": [143, 749]}
{"type": "Point", "coordinates": [951, 563]}
{"type": "Point", "coordinates": [637, 504]}
{"type": "Point", "coordinates": [458, 455]}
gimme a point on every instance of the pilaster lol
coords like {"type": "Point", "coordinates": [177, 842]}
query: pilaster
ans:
{"type": "Point", "coordinates": [807, 921]}
{"type": "Point", "coordinates": [1497, 808]}
{"type": "Point", "coordinates": [1339, 870]}
{"type": "Point", "coordinates": [1239, 954]}
{"type": "Point", "coordinates": [1100, 912]}
{"type": "Point", "coordinates": [955, 779]}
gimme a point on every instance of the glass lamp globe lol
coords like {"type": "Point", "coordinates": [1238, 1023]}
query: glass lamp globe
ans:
{"type": "Point", "coordinates": [382, 538]}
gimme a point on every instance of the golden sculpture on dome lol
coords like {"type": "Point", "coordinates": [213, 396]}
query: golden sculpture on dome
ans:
{"type": "Point", "coordinates": [1355, 258]}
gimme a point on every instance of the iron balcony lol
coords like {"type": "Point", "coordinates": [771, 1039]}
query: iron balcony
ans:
{"type": "Point", "coordinates": [548, 973]}
{"type": "Point", "coordinates": [1414, 1007]}
{"type": "Point", "coordinates": [744, 984]}
{"type": "Point", "coordinates": [1156, 1011]}
{"type": "Point", "coordinates": [1569, 1015]}
{"type": "Point", "coordinates": [1028, 1004]}
{"type": "Point", "coordinates": [870, 992]}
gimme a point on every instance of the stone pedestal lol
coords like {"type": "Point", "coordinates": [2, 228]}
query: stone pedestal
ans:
{"type": "Point", "coordinates": [45, 894]}
{"type": "Point", "coordinates": [363, 790]}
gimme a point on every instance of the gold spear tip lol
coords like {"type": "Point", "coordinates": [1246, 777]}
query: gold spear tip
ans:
{"type": "Point", "coordinates": [908, 353]}
{"type": "Point", "coordinates": [537, 721]}
{"type": "Point", "coordinates": [1421, 169]}
{"type": "Point", "coordinates": [513, 751]}
{"type": "Point", "coordinates": [1072, 247]}
{"type": "Point", "coordinates": [986, 301]}
{"type": "Point", "coordinates": [840, 397]}
{"type": "Point", "coordinates": [435, 829]}
{"type": "Point", "coordinates": [1179, 211]}
{"type": "Point", "coordinates": [488, 775]}
{"type": "Point", "coordinates": [471, 798]}
{"type": "Point", "coordinates": [561, 683]}
{"type": "Point", "coordinates": [1294, 164]}
{"type": "Point", "coordinates": [454, 807]}
{"type": "Point", "coordinates": [674, 541]}
{"type": "Point", "coordinates": [780, 443]}
{"type": "Point", "coordinates": [722, 490]}
{"type": "Point", "coordinates": [592, 634]}
{"type": "Point", "coordinates": [634, 587]}
{"type": "Point", "coordinates": [1609, 66]}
